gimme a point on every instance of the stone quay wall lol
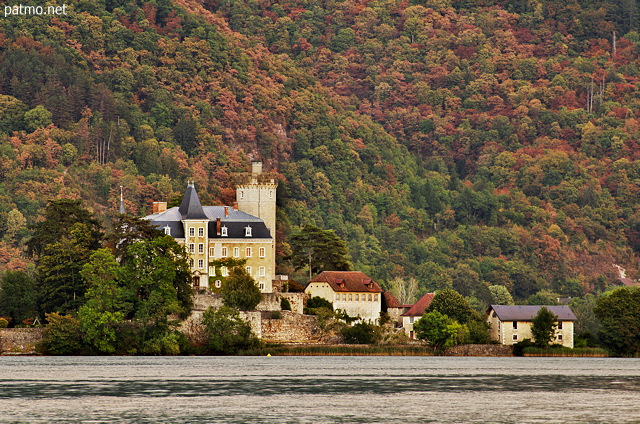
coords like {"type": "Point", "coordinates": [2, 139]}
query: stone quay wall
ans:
{"type": "Point", "coordinates": [480, 350]}
{"type": "Point", "coordinates": [19, 341]}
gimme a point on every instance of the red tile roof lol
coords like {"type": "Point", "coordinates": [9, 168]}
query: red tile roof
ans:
{"type": "Point", "coordinates": [417, 310]}
{"type": "Point", "coordinates": [348, 281]}
{"type": "Point", "coordinates": [391, 301]}
{"type": "Point", "coordinates": [629, 282]}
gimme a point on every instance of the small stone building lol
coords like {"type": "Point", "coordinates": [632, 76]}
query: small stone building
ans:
{"type": "Point", "coordinates": [350, 291]}
{"type": "Point", "coordinates": [511, 324]}
{"type": "Point", "coordinates": [415, 313]}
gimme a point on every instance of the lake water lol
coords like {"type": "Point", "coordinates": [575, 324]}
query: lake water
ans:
{"type": "Point", "coordinates": [318, 390]}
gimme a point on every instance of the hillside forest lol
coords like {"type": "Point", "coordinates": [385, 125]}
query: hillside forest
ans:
{"type": "Point", "coordinates": [461, 144]}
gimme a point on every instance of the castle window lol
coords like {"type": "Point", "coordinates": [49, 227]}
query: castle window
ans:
{"type": "Point", "coordinates": [212, 271]}
{"type": "Point", "coordinates": [224, 252]}
{"type": "Point", "coordinates": [247, 231]}
{"type": "Point", "coordinates": [192, 232]}
{"type": "Point", "coordinates": [200, 247]}
{"type": "Point", "coordinates": [236, 252]}
{"type": "Point", "coordinates": [224, 271]}
{"type": "Point", "coordinates": [375, 297]}
{"type": "Point", "coordinates": [514, 337]}
{"type": "Point", "coordinates": [344, 297]}
{"type": "Point", "coordinates": [167, 230]}
{"type": "Point", "coordinates": [248, 269]}
{"type": "Point", "coordinates": [262, 252]}
{"type": "Point", "coordinates": [248, 252]}
{"type": "Point", "coordinates": [212, 251]}
{"type": "Point", "coordinates": [218, 284]}
{"type": "Point", "coordinates": [224, 232]}
{"type": "Point", "coordinates": [559, 325]}
{"type": "Point", "coordinates": [192, 248]}
{"type": "Point", "coordinates": [262, 271]}
{"type": "Point", "coordinates": [515, 325]}
{"type": "Point", "coordinates": [270, 194]}
{"type": "Point", "coordinates": [261, 286]}
{"type": "Point", "coordinates": [200, 232]}
{"type": "Point", "coordinates": [350, 297]}
{"type": "Point", "coordinates": [357, 297]}
{"type": "Point", "coordinates": [200, 263]}
{"type": "Point", "coordinates": [191, 263]}
{"type": "Point", "coordinates": [241, 194]}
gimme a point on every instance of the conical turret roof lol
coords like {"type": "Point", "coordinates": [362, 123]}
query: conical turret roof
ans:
{"type": "Point", "coordinates": [191, 208]}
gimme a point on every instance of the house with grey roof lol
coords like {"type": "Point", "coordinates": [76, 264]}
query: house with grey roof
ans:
{"type": "Point", "coordinates": [245, 230]}
{"type": "Point", "coordinates": [511, 324]}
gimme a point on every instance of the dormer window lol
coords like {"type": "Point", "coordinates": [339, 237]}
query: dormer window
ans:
{"type": "Point", "coordinates": [247, 231]}
{"type": "Point", "coordinates": [223, 232]}
{"type": "Point", "coordinates": [167, 230]}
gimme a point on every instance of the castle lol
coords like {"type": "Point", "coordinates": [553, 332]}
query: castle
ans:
{"type": "Point", "coordinates": [245, 230]}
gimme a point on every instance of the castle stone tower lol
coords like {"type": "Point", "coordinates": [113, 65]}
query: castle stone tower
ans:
{"type": "Point", "coordinates": [256, 195]}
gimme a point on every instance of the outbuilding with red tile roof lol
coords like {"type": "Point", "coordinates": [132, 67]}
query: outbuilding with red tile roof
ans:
{"type": "Point", "coordinates": [415, 312]}
{"type": "Point", "coordinates": [351, 291]}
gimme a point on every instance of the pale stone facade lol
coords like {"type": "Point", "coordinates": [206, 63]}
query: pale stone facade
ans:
{"type": "Point", "coordinates": [512, 324]}
{"type": "Point", "coordinates": [350, 291]}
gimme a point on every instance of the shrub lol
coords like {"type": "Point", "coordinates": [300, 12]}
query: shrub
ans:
{"type": "Point", "coordinates": [518, 348]}
{"type": "Point", "coordinates": [276, 315]}
{"type": "Point", "coordinates": [285, 305]}
{"type": "Point", "coordinates": [319, 302]}
{"type": "Point", "coordinates": [62, 335]}
{"type": "Point", "coordinates": [360, 333]}
{"type": "Point", "coordinates": [4, 323]}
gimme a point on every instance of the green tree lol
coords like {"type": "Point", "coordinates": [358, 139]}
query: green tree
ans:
{"type": "Point", "coordinates": [619, 314]}
{"type": "Point", "coordinates": [451, 303]}
{"type": "Point", "coordinates": [543, 327]}
{"type": "Point", "coordinates": [105, 306]}
{"type": "Point", "coordinates": [318, 250]}
{"type": "Point", "coordinates": [62, 335]}
{"type": "Point", "coordinates": [437, 329]}
{"type": "Point", "coordinates": [226, 332]}
{"type": "Point", "coordinates": [500, 295]}
{"type": "Point", "coordinates": [159, 277]}
{"type": "Point", "coordinates": [38, 117]}
{"type": "Point", "coordinates": [128, 230]}
{"type": "Point", "coordinates": [61, 288]}
{"type": "Point", "coordinates": [18, 297]}
{"type": "Point", "coordinates": [59, 217]}
{"type": "Point", "coordinates": [240, 291]}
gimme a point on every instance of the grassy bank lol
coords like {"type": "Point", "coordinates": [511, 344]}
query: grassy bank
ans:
{"type": "Point", "coordinates": [566, 352]}
{"type": "Point", "coordinates": [341, 350]}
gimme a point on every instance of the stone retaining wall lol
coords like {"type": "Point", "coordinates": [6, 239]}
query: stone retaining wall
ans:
{"type": "Point", "coordinates": [270, 301]}
{"type": "Point", "coordinates": [19, 341]}
{"type": "Point", "coordinates": [480, 350]}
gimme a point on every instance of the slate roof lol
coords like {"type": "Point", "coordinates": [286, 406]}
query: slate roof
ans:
{"type": "Point", "coordinates": [236, 221]}
{"type": "Point", "coordinates": [527, 312]}
{"type": "Point", "coordinates": [190, 208]}
{"type": "Point", "coordinates": [348, 281]}
{"type": "Point", "coordinates": [418, 308]}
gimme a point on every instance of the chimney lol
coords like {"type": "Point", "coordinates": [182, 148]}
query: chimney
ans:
{"type": "Point", "coordinates": [256, 168]}
{"type": "Point", "coordinates": [159, 207]}
{"type": "Point", "coordinates": [226, 211]}
{"type": "Point", "coordinates": [235, 206]}
{"type": "Point", "coordinates": [218, 226]}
